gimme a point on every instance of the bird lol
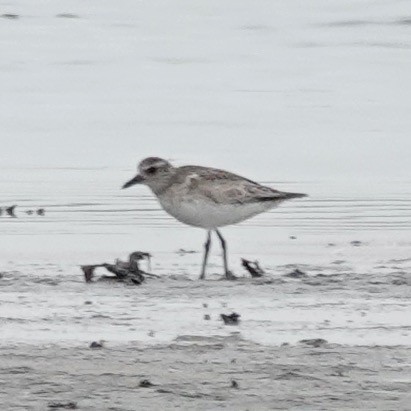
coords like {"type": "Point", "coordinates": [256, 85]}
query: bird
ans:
{"type": "Point", "coordinates": [206, 197]}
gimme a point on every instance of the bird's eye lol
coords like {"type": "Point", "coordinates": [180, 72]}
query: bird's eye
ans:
{"type": "Point", "coordinates": [151, 170]}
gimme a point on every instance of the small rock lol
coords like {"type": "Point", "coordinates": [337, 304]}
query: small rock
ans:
{"type": "Point", "coordinates": [205, 305]}
{"type": "Point", "coordinates": [356, 243]}
{"type": "Point", "coordinates": [314, 342]}
{"type": "Point", "coordinates": [41, 211]}
{"type": "Point", "coordinates": [234, 384]}
{"type": "Point", "coordinates": [293, 237]}
{"type": "Point", "coordinates": [63, 405]}
{"type": "Point", "coordinates": [285, 344]}
{"type": "Point", "coordinates": [88, 302]}
{"type": "Point", "coordinates": [29, 212]}
{"type": "Point", "coordinates": [207, 317]}
{"type": "Point", "coordinates": [145, 384]}
{"type": "Point", "coordinates": [296, 274]}
{"type": "Point", "coordinates": [232, 319]}
{"type": "Point", "coordinates": [151, 333]}
{"type": "Point", "coordinates": [96, 345]}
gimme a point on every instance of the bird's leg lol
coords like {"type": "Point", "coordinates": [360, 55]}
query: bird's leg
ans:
{"type": "Point", "coordinates": [229, 275]}
{"type": "Point", "coordinates": [206, 251]}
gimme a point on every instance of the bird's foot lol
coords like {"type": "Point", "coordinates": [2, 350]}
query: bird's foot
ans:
{"type": "Point", "coordinates": [230, 276]}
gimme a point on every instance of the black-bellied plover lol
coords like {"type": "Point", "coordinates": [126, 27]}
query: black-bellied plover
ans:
{"type": "Point", "coordinates": [206, 197]}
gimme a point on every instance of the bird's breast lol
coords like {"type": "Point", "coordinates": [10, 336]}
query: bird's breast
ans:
{"type": "Point", "coordinates": [208, 214]}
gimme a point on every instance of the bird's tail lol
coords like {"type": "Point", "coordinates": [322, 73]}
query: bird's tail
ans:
{"type": "Point", "coordinates": [278, 196]}
{"type": "Point", "coordinates": [294, 195]}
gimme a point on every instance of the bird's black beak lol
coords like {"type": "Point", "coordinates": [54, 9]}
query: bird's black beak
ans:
{"type": "Point", "coordinates": [138, 179]}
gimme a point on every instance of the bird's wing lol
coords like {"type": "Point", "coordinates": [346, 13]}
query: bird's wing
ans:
{"type": "Point", "coordinates": [224, 187]}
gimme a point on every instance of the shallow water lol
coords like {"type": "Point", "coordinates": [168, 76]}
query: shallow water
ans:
{"type": "Point", "coordinates": [353, 245]}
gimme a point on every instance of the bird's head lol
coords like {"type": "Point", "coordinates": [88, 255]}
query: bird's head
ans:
{"type": "Point", "coordinates": [154, 172]}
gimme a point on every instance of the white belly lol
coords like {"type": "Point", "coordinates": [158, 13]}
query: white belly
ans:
{"type": "Point", "coordinates": [210, 215]}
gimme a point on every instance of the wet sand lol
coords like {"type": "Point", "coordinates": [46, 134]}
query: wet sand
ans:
{"type": "Point", "coordinates": [158, 332]}
{"type": "Point", "coordinates": [197, 373]}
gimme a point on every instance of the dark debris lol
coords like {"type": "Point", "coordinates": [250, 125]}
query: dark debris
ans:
{"type": "Point", "coordinates": [124, 271]}
{"type": "Point", "coordinates": [232, 319]}
{"type": "Point", "coordinates": [96, 345]}
{"type": "Point", "coordinates": [252, 267]}
{"type": "Point", "coordinates": [10, 210]}
{"type": "Point", "coordinates": [145, 384]}
{"type": "Point", "coordinates": [234, 384]}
